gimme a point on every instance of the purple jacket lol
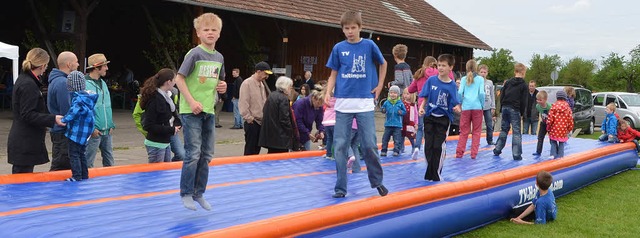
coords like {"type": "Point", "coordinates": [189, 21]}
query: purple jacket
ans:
{"type": "Point", "coordinates": [305, 116]}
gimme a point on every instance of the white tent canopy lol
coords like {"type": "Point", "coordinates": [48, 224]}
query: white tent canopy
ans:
{"type": "Point", "coordinates": [11, 52]}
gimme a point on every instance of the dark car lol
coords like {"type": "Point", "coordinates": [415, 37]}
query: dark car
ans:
{"type": "Point", "coordinates": [583, 111]}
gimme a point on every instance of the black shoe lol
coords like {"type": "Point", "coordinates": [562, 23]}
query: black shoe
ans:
{"type": "Point", "coordinates": [218, 126]}
{"type": "Point", "coordinates": [382, 190]}
{"type": "Point", "coordinates": [339, 195]}
{"type": "Point", "coordinates": [236, 127]}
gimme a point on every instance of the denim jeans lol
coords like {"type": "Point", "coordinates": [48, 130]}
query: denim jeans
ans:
{"type": "Point", "coordinates": [328, 131]}
{"type": "Point", "coordinates": [106, 150]}
{"type": "Point", "coordinates": [605, 137]}
{"type": "Point", "coordinates": [396, 132]}
{"type": "Point", "coordinates": [157, 155]}
{"type": "Point", "coordinates": [199, 140]}
{"type": "Point", "coordinates": [510, 118]}
{"type": "Point", "coordinates": [354, 151]}
{"type": "Point", "coordinates": [367, 132]}
{"type": "Point", "coordinates": [420, 132]}
{"type": "Point", "coordinates": [177, 147]}
{"type": "Point", "coordinates": [237, 118]}
{"type": "Point", "coordinates": [557, 149]}
{"type": "Point", "coordinates": [488, 122]}
{"type": "Point", "coordinates": [530, 126]}
{"type": "Point", "coordinates": [79, 168]}
{"type": "Point", "coordinates": [59, 152]}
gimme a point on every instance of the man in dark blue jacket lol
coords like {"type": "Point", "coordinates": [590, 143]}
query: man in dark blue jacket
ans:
{"type": "Point", "coordinates": [58, 103]}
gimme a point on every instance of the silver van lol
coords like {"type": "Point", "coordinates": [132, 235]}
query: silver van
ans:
{"type": "Point", "coordinates": [627, 106]}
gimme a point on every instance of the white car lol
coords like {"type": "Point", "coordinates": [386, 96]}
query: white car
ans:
{"type": "Point", "coordinates": [627, 106]}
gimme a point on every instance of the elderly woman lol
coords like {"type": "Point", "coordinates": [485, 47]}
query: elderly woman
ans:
{"type": "Point", "coordinates": [277, 133]}
{"type": "Point", "coordinates": [308, 110]}
{"type": "Point", "coordinates": [25, 147]}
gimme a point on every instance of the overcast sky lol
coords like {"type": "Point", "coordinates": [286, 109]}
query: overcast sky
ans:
{"type": "Point", "coordinates": [588, 29]}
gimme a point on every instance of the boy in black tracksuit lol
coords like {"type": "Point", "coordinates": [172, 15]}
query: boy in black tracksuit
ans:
{"type": "Point", "coordinates": [513, 102]}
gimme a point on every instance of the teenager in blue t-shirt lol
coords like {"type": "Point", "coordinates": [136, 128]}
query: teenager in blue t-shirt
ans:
{"type": "Point", "coordinates": [441, 100]}
{"type": "Point", "coordinates": [355, 84]}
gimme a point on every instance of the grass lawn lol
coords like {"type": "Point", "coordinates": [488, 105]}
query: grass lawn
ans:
{"type": "Point", "coordinates": [608, 208]}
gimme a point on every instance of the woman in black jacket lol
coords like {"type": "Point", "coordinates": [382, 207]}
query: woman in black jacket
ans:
{"type": "Point", "coordinates": [25, 146]}
{"type": "Point", "coordinates": [277, 131]}
{"type": "Point", "coordinates": [160, 118]}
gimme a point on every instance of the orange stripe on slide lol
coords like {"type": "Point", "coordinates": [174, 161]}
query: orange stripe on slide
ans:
{"type": "Point", "coordinates": [326, 217]}
{"type": "Point", "coordinates": [140, 168]}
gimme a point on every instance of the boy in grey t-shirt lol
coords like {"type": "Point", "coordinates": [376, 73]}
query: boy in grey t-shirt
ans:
{"type": "Point", "coordinates": [489, 108]}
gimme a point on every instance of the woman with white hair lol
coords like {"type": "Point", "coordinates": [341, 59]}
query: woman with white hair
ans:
{"type": "Point", "coordinates": [277, 132]}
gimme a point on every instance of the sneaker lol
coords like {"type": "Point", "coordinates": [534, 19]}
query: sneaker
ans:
{"type": "Point", "coordinates": [71, 180]}
{"type": "Point", "coordinates": [350, 162]}
{"type": "Point", "coordinates": [383, 154]}
{"type": "Point", "coordinates": [396, 153]}
{"type": "Point", "coordinates": [329, 157]}
{"type": "Point", "coordinates": [382, 190]}
{"type": "Point", "coordinates": [552, 157]}
{"type": "Point", "coordinates": [414, 155]}
{"type": "Point", "coordinates": [236, 127]}
{"type": "Point", "coordinates": [490, 143]}
{"type": "Point", "coordinates": [339, 195]}
{"type": "Point", "coordinates": [320, 147]}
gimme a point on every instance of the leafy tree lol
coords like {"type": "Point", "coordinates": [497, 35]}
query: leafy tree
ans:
{"type": "Point", "coordinates": [577, 71]}
{"type": "Point", "coordinates": [611, 75]}
{"type": "Point", "coordinates": [169, 50]}
{"type": "Point", "coordinates": [617, 73]}
{"type": "Point", "coordinates": [500, 65]}
{"type": "Point", "coordinates": [541, 68]}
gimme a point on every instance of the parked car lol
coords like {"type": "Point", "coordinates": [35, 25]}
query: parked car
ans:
{"type": "Point", "coordinates": [627, 106]}
{"type": "Point", "coordinates": [583, 111]}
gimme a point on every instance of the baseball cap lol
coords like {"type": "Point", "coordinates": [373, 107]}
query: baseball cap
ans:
{"type": "Point", "coordinates": [264, 67]}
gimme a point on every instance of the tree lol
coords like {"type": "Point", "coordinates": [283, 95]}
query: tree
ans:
{"type": "Point", "coordinates": [541, 68]}
{"type": "Point", "coordinates": [611, 75]}
{"type": "Point", "coordinates": [617, 73]}
{"type": "Point", "coordinates": [500, 64]}
{"type": "Point", "coordinates": [577, 71]}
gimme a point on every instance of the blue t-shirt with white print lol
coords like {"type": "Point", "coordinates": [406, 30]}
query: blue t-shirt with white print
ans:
{"type": "Point", "coordinates": [356, 67]}
{"type": "Point", "coordinates": [441, 97]}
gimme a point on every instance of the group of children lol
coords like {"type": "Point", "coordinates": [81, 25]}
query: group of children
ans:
{"type": "Point", "coordinates": [616, 130]}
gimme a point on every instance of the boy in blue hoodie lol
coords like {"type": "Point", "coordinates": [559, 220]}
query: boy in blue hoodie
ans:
{"type": "Point", "coordinates": [79, 121]}
{"type": "Point", "coordinates": [609, 126]}
{"type": "Point", "coordinates": [394, 110]}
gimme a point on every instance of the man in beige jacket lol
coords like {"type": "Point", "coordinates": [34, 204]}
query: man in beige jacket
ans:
{"type": "Point", "coordinates": [253, 95]}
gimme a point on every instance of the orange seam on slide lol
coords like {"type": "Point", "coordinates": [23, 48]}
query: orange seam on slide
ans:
{"type": "Point", "coordinates": [322, 218]}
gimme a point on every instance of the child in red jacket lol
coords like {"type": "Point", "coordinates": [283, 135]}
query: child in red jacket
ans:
{"type": "Point", "coordinates": [626, 134]}
{"type": "Point", "coordinates": [559, 124]}
{"type": "Point", "coordinates": [410, 121]}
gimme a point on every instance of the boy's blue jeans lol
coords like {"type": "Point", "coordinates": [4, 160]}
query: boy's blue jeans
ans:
{"type": "Point", "coordinates": [106, 150]}
{"type": "Point", "coordinates": [77, 160]}
{"type": "Point", "coordinates": [199, 138]}
{"type": "Point", "coordinates": [510, 118]}
{"type": "Point", "coordinates": [237, 118]}
{"type": "Point", "coordinates": [488, 122]}
{"type": "Point", "coordinates": [530, 126]}
{"type": "Point", "coordinates": [396, 132]}
{"type": "Point", "coordinates": [177, 147]}
{"type": "Point", "coordinates": [420, 132]}
{"type": "Point", "coordinates": [367, 132]}
{"type": "Point", "coordinates": [605, 137]}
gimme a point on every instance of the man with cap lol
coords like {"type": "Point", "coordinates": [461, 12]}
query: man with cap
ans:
{"type": "Point", "coordinates": [253, 95]}
{"type": "Point", "coordinates": [58, 104]}
{"type": "Point", "coordinates": [103, 124]}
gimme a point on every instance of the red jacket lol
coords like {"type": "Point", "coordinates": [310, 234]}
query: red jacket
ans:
{"type": "Point", "coordinates": [628, 135]}
{"type": "Point", "coordinates": [409, 120]}
{"type": "Point", "coordinates": [560, 121]}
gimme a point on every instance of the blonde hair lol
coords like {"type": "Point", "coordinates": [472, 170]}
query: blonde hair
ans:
{"type": "Point", "coordinates": [571, 92]}
{"type": "Point", "coordinates": [520, 68]}
{"type": "Point", "coordinates": [317, 92]}
{"type": "Point", "coordinates": [611, 106]}
{"type": "Point", "coordinates": [428, 62]}
{"type": "Point", "coordinates": [472, 67]}
{"type": "Point", "coordinates": [542, 95]}
{"type": "Point", "coordinates": [412, 96]}
{"type": "Point", "coordinates": [206, 19]}
{"type": "Point", "coordinates": [351, 17]}
{"type": "Point", "coordinates": [36, 57]}
{"type": "Point", "coordinates": [400, 51]}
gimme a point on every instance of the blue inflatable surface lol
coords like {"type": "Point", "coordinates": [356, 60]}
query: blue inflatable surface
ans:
{"type": "Point", "coordinates": [148, 204]}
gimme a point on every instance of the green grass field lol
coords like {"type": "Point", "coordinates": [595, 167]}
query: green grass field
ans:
{"type": "Point", "coordinates": [608, 208]}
